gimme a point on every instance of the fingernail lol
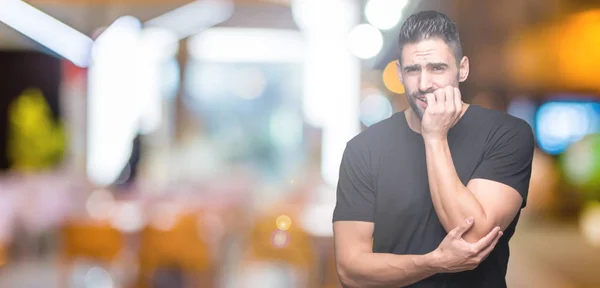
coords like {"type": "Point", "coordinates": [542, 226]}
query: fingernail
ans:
{"type": "Point", "coordinates": [469, 220]}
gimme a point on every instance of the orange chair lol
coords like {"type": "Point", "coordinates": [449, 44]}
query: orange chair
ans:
{"type": "Point", "coordinates": [331, 278]}
{"type": "Point", "coordinates": [297, 250]}
{"type": "Point", "coordinates": [96, 241]}
{"type": "Point", "coordinates": [182, 246]}
{"type": "Point", "coordinates": [3, 256]}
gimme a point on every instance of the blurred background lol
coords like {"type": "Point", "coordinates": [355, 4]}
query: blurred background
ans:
{"type": "Point", "coordinates": [148, 143]}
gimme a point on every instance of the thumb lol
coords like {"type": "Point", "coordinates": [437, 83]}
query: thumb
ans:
{"type": "Point", "coordinates": [461, 229]}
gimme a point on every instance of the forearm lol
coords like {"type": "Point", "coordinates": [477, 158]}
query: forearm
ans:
{"type": "Point", "coordinates": [384, 270]}
{"type": "Point", "coordinates": [453, 202]}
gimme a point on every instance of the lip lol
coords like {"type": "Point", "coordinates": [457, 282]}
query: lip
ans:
{"type": "Point", "coordinates": [422, 102]}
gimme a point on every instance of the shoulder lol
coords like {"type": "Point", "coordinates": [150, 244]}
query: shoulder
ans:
{"type": "Point", "coordinates": [373, 136]}
{"type": "Point", "coordinates": [503, 128]}
{"type": "Point", "coordinates": [495, 120]}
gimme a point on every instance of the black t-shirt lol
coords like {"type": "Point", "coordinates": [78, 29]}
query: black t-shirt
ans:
{"type": "Point", "coordinates": [383, 179]}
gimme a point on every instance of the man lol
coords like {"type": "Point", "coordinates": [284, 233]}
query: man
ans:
{"type": "Point", "coordinates": [431, 196]}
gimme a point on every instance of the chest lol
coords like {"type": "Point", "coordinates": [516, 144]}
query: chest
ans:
{"type": "Point", "coordinates": [402, 180]}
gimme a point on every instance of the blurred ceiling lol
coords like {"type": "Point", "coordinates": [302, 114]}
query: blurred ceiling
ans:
{"type": "Point", "coordinates": [87, 16]}
{"type": "Point", "coordinates": [84, 17]}
{"type": "Point", "coordinates": [486, 27]}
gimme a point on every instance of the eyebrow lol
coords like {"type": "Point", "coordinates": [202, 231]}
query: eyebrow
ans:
{"type": "Point", "coordinates": [439, 64]}
{"type": "Point", "coordinates": [430, 65]}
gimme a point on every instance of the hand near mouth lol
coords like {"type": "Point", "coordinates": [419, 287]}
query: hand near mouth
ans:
{"type": "Point", "coordinates": [444, 109]}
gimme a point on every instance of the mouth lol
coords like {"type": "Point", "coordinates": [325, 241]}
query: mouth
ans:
{"type": "Point", "coordinates": [422, 102]}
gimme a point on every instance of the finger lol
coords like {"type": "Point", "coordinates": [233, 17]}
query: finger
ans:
{"type": "Point", "coordinates": [487, 239]}
{"type": "Point", "coordinates": [486, 252]}
{"type": "Point", "coordinates": [461, 229]}
{"type": "Point", "coordinates": [457, 99]}
{"type": "Point", "coordinates": [430, 100]}
{"type": "Point", "coordinates": [440, 96]}
{"type": "Point", "coordinates": [450, 95]}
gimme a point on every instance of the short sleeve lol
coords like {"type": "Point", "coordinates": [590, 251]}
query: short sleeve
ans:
{"type": "Point", "coordinates": [508, 158]}
{"type": "Point", "coordinates": [355, 194]}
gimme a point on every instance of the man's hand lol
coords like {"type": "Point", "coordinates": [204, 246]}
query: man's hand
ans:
{"type": "Point", "coordinates": [455, 254]}
{"type": "Point", "coordinates": [444, 108]}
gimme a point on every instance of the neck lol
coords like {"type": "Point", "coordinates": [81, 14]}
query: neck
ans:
{"type": "Point", "coordinates": [414, 122]}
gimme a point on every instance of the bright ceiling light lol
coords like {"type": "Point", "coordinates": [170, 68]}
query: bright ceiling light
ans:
{"type": "Point", "coordinates": [248, 45]}
{"type": "Point", "coordinates": [365, 41]}
{"type": "Point", "coordinates": [317, 16]}
{"type": "Point", "coordinates": [194, 17]}
{"type": "Point", "coordinates": [384, 14]}
{"type": "Point", "coordinates": [49, 32]}
{"type": "Point", "coordinates": [158, 43]}
{"type": "Point", "coordinates": [113, 99]}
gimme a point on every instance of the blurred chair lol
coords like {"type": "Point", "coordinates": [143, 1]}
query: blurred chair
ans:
{"type": "Point", "coordinates": [3, 255]}
{"type": "Point", "coordinates": [330, 276]}
{"type": "Point", "coordinates": [89, 240]}
{"type": "Point", "coordinates": [180, 246]}
{"type": "Point", "coordinates": [297, 251]}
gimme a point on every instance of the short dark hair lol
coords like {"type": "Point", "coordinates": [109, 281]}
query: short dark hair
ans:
{"type": "Point", "coordinates": [430, 24]}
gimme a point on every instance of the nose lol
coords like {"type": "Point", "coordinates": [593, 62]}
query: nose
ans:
{"type": "Point", "coordinates": [425, 83]}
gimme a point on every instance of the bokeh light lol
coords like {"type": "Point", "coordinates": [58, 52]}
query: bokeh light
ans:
{"type": "Point", "coordinates": [558, 124]}
{"type": "Point", "coordinates": [375, 108]}
{"type": "Point", "coordinates": [164, 216]}
{"type": "Point", "coordinates": [100, 205]}
{"type": "Point", "coordinates": [98, 277]}
{"type": "Point", "coordinates": [391, 80]}
{"type": "Point", "coordinates": [581, 163]}
{"type": "Point", "coordinates": [311, 15]}
{"type": "Point", "coordinates": [589, 222]}
{"type": "Point", "coordinates": [128, 217]}
{"type": "Point", "coordinates": [283, 222]}
{"type": "Point", "coordinates": [312, 217]}
{"type": "Point", "coordinates": [365, 41]}
{"type": "Point", "coordinates": [384, 14]}
{"type": "Point", "coordinates": [280, 239]}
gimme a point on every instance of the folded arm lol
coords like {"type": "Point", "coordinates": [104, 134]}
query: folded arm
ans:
{"type": "Point", "coordinates": [491, 197]}
{"type": "Point", "coordinates": [358, 266]}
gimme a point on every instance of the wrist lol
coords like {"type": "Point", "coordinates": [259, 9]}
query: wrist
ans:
{"type": "Point", "coordinates": [435, 139]}
{"type": "Point", "coordinates": [432, 263]}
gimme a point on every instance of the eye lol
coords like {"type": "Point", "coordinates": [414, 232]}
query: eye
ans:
{"type": "Point", "coordinates": [438, 68]}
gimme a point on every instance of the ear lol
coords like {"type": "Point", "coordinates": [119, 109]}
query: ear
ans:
{"type": "Point", "coordinates": [463, 71]}
{"type": "Point", "coordinates": [399, 71]}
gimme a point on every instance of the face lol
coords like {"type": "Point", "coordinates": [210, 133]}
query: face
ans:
{"type": "Point", "coordinates": [427, 66]}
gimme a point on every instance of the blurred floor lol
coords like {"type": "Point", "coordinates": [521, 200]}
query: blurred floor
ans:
{"type": "Point", "coordinates": [550, 254]}
{"type": "Point", "coordinates": [543, 254]}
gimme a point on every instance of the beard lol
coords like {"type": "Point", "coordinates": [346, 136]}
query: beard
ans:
{"type": "Point", "coordinates": [413, 98]}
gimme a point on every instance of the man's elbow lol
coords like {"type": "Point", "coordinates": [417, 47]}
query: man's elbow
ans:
{"type": "Point", "coordinates": [346, 278]}
{"type": "Point", "coordinates": [480, 229]}
{"type": "Point", "coordinates": [481, 226]}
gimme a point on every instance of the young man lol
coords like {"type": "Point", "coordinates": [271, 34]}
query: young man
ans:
{"type": "Point", "coordinates": [431, 196]}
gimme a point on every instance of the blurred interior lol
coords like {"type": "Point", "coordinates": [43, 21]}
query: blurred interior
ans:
{"type": "Point", "coordinates": [181, 143]}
